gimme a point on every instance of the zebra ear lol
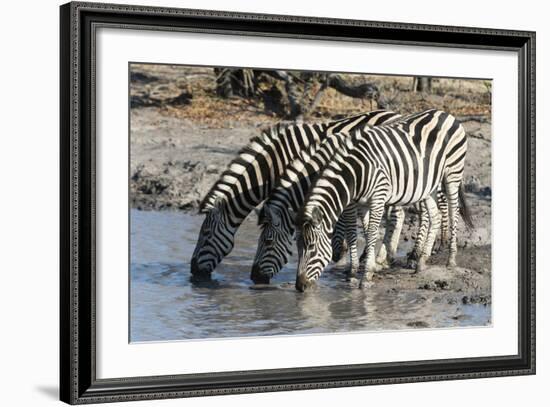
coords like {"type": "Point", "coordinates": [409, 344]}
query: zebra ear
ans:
{"type": "Point", "coordinates": [259, 214]}
{"type": "Point", "coordinates": [205, 205]}
{"type": "Point", "coordinates": [217, 205]}
{"type": "Point", "coordinates": [262, 214]}
{"type": "Point", "coordinates": [211, 203]}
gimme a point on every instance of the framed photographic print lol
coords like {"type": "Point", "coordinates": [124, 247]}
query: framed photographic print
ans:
{"type": "Point", "coordinates": [255, 203]}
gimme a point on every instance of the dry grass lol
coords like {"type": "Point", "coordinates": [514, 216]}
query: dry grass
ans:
{"type": "Point", "coordinates": [457, 96]}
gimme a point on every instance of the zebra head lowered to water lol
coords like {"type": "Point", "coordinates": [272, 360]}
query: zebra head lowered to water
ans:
{"type": "Point", "coordinates": [400, 163]}
{"type": "Point", "coordinates": [274, 244]}
{"type": "Point", "coordinates": [216, 237]}
{"type": "Point", "coordinates": [249, 180]}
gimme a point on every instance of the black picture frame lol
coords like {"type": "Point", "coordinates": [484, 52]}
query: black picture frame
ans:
{"type": "Point", "coordinates": [78, 382]}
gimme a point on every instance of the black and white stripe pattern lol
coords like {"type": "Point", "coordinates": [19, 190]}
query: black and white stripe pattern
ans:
{"type": "Point", "coordinates": [440, 219]}
{"type": "Point", "coordinates": [277, 214]}
{"type": "Point", "coordinates": [250, 178]}
{"type": "Point", "coordinates": [401, 163]}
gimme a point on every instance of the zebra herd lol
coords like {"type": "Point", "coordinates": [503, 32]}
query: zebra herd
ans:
{"type": "Point", "coordinates": [314, 180]}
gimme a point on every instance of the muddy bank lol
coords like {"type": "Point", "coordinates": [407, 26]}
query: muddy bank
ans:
{"type": "Point", "coordinates": [174, 162]}
{"type": "Point", "coordinates": [468, 283]}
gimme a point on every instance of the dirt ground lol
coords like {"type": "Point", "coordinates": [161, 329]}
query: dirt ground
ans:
{"type": "Point", "coordinates": [182, 141]}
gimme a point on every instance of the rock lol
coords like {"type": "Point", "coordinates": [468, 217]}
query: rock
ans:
{"type": "Point", "coordinates": [441, 284]}
{"type": "Point", "coordinates": [476, 299]}
{"type": "Point", "coordinates": [472, 184]}
{"type": "Point", "coordinates": [430, 285]}
{"type": "Point", "coordinates": [212, 169]}
{"type": "Point", "coordinates": [486, 191]}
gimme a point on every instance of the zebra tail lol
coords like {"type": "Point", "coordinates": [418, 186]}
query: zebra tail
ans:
{"type": "Point", "coordinates": [465, 209]}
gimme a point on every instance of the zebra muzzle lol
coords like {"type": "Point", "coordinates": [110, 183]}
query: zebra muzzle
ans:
{"type": "Point", "coordinates": [302, 283]}
{"type": "Point", "coordinates": [196, 270]}
{"type": "Point", "coordinates": [257, 276]}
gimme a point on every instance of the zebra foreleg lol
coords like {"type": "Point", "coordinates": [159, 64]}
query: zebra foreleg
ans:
{"type": "Point", "coordinates": [349, 217]}
{"type": "Point", "coordinates": [444, 210]}
{"type": "Point", "coordinates": [394, 223]}
{"type": "Point", "coordinates": [452, 189]}
{"type": "Point", "coordinates": [435, 224]}
{"type": "Point", "coordinates": [370, 227]}
{"type": "Point", "coordinates": [423, 226]}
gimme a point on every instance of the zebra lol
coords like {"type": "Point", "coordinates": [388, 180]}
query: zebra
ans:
{"type": "Point", "coordinates": [276, 217]}
{"type": "Point", "coordinates": [249, 179]}
{"type": "Point", "coordinates": [400, 163]}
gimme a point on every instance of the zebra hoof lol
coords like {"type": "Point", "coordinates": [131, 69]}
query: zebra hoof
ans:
{"type": "Point", "coordinates": [378, 267]}
{"type": "Point", "coordinates": [353, 281]}
{"type": "Point", "coordinates": [412, 260]}
{"type": "Point", "coordinates": [451, 264]}
{"type": "Point", "coordinates": [366, 281]}
{"type": "Point", "coordinates": [385, 264]}
{"type": "Point", "coordinates": [420, 266]}
{"type": "Point", "coordinates": [353, 269]}
{"type": "Point", "coordinates": [351, 274]}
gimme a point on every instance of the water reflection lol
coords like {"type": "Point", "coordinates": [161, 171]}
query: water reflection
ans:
{"type": "Point", "coordinates": [166, 305]}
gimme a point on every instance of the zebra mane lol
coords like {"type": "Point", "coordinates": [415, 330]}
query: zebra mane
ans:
{"type": "Point", "coordinates": [239, 165]}
{"type": "Point", "coordinates": [306, 154]}
{"type": "Point", "coordinates": [342, 146]}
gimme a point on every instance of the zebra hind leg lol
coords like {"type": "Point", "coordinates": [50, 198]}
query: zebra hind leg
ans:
{"type": "Point", "coordinates": [435, 224]}
{"type": "Point", "coordinates": [364, 216]}
{"type": "Point", "coordinates": [443, 241]}
{"type": "Point", "coordinates": [382, 256]}
{"type": "Point", "coordinates": [395, 217]}
{"type": "Point", "coordinates": [423, 226]}
{"type": "Point", "coordinates": [452, 189]}
{"type": "Point", "coordinates": [398, 221]}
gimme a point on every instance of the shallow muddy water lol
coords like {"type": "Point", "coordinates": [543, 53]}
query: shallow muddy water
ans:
{"type": "Point", "coordinates": [166, 305]}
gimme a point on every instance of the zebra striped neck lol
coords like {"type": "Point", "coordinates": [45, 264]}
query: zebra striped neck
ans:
{"type": "Point", "coordinates": [338, 186]}
{"type": "Point", "coordinates": [250, 177]}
